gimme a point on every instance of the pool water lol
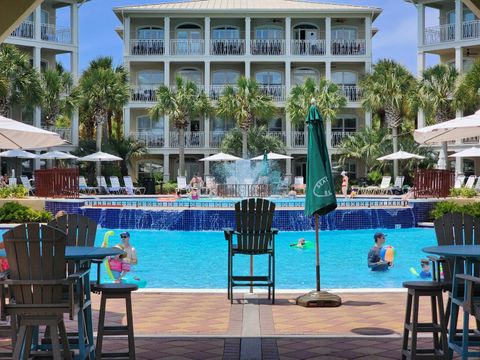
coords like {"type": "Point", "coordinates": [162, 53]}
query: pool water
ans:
{"type": "Point", "coordinates": [181, 259]}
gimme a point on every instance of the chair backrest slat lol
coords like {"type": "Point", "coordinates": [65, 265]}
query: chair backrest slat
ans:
{"type": "Point", "coordinates": [82, 182]}
{"type": "Point", "coordinates": [470, 182]}
{"type": "Point", "coordinates": [115, 182]}
{"type": "Point", "coordinates": [385, 182]}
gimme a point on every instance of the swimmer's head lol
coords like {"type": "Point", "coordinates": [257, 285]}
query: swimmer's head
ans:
{"type": "Point", "coordinates": [301, 241]}
{"type": "Point", "coordinates": [379, 238]}
{"type": "Point", "coordinates": [425, 264]}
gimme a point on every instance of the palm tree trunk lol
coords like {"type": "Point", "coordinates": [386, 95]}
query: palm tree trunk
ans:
{"type": "Point", "coordinates": [244, 143]}
{"type": "Point", "coordinates": [108, 134]}
{"type": "Point", "coordinates": [181, 151]}
{"type": "Point", "coordinates": [98, 165]}
{"type": "Point", "coordinates": [395, 149]}
{"type": "Point", "coordinates": [118, 124]}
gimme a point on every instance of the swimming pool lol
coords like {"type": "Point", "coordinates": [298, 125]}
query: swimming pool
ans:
{"type": "Point", "coordinates": [181, 259]}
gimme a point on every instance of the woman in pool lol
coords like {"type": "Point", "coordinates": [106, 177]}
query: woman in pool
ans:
{"type": "Point", "coordinates": [300, 244]}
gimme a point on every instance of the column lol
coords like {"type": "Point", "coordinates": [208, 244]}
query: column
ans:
{"type": "Point", "coordinates": [458, 166]}
{"type": "Point", "coordinates": [37, 111]}
{"type": "Point", "coordinates": [206, 128]}
{"type": "Point", "coordinates": [421, 24]}
{"type": "Point", "coordinates": [74, 23]}
{"type": "Point", "coordinates": [459, 58]}
{"type": "Point", "coordinates": [328, 132]}
{"type": "Point", "coordinates": [288, 86]}
{"type": "Point", "coordinates": [368, 36]}
{"type": "Point", "coordinates": [207, 77]}
{"type": "Point", "coordinates": [288, 130]}
{"type": "Point", "coordinates": [248, 34]}
{"type": "Point", "coordinates": [166, 31]}
{"type": "Point", "coordinates": [368, 119]}
{"type": "Point", "coordinates": [75, 128]}
{"type": "Point", "coordinates": [247, 69]}
{"type": "Point", "coordinates": [126, 121]}
{"type": "Point", "coordinates": [206, 165]}
{"type": "Point", "coordinates": [288, 168]}
{"type": "Point", "coordinates": [288, 78]}
{"type": "Point", "coordinates": [328, 36]}
{"type": "Point", "coordinates": [166, 119]}
{"type": "Point", "coordinates": [126, 36]}
{"type": "Point", "coordinates": [207, 36]}
{"type": "Point", "coordinates": [37, 19]}
{"type": "Point", "coordinates": [328, 70]}
{"type": "Point", "coordinates": [458, 19]}
{"type": "Point", "coordinates": [420, 69]}
{"type": "Point", "coordinates": [166, 167]}
{"type": "Point", "coordinates": [288, 35]}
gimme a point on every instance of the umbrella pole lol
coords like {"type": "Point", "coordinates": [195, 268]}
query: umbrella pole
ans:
{"type": "Point", "coordinates": [251, 273]}
{"type": "Point", "coordinates": [317, 251]}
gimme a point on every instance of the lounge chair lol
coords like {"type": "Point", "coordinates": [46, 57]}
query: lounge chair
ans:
{"type": "Point", "coordinates": [84, 188]}
{"type": "Point", "coordinates": [115, 185]}
{"type": "Point", "coordinates": [470, 182]}
{"type": "Point", "coordinates": [398, 185]}
{"type": "Point", "coordinates": [12, 181]}
{"type": "Point", "coordinates": [27, 185]}
{"type": "Point", "coordinates": [459, 181]}
{"type": "Point", "coordinates": [382, 189]}
{"type": "Point", "coordinates": [298, 184]}
{"type": "Point", "coordinates": [182, 184]}
{"type": "Point", "coordinates": [210, 184]}
{"type": "Point", "coordinates": [102, 184]}
{"type": "Point", "coordinates": [253, 235]}
{"type": "Point", "coordinates": [130, 188]}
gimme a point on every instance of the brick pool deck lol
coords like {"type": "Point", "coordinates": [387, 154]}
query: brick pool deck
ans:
{"type": "Point", "coordinates": [206, 326]}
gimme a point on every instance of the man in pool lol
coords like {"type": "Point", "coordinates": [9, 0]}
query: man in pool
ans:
{"type": "Point", "coordinates": [375, 262]}
{"type": "Point", "coordinates": [131, 253]}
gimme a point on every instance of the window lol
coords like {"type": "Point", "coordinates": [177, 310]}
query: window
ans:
{"type": "Point", "coordinates": [223, 125]}
{"type": "Point", "coordinates": [302, 74]}
{"type": "Point", "coordinates": [305, 32]}
{"type": "Point", "coordinates": [468, 15]}
{"type": "Point", "coordinates": [146, 124]}
{"type": "Point", "coordinates": [269, 32]}
{"type": "Point", "coordinates": [344, 77]}
{"type": "Point", "coordinates": [150, 32]}
{"type": "Point", "coordinates": [149, 77]}
{"type": "Point", "coordinates": [344, 124]}
{"type": "Point", "coordinates": [269, 77]}
{"type": "Point", "coordinates": [193, 75]}
{"type": "Point", "coordinates": [45, 17]}
{"type": "Point", "coordinates": [225, 32]}
{"type": "Point", "coordinates": [189, 32]}
{"type": "Point", "coordinates": [344, 33]}
{"type": "Point", "coordinates": [275, 124]}
{"type": "Point", "coordinates": [225, 77]}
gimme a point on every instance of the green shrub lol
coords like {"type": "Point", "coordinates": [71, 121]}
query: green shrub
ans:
{"type": "Point", "coordinates": [12, 212]}
{"type": "Point", "coordinates": [169, 188]}
{"type": "Point", "coordinates": [17, 192]}
{"type": "Point", "coordinates": [374, 177]}
{"type": "Point", "coordinates": [446, 207]}
{"type": "Point", "coordinates": [463, 192]}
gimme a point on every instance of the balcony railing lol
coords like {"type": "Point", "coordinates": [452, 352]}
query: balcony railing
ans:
{"type": "Point", "coordinates": [351, 92]}
{"type": "Point", "coordinates": [267, 47]}
{"type": "Point", "coordinates": [59, 34]}
{"type": "Point", "coordinates": [278, 134]}
{"type": "Point", "coordinates": [25, 30]}
{"type": "Point", "coordinates": [187, 47]}
{"type": "Point", "coordinates": [216, 91]}
{"type": "Point", "coordinates": [227, 47]}
{"type": "Point", "coordinates": [150, 139]}
{"type": "Point", "coordinates": [338, 136]}
{"type": "Point", "coordinates": [299, 139]}
{"type": "Point", "coordinates": [216, 138]}
{"type": "Point", "coordinates": [147, 47]}
{"type": "Point", "coordinates": [348, 47]}
{"type": "Point", "coordinates": [193, 139]}
{"type": "Point", "coordinates": [471, 140]}
{"type": "Point", "coordinates": [199, 87]}
{"type": "Point", "coordinates": [439, 34]}
{"type": "Point", "coordinates": [471, 29]}
{"type": "Point", "coordinates": [308, 47]}
{"type": "Point", "coordinates": [65, 133]}
{"type": "Point", "coordinates": [144, 93]}
{"type": "Point", "coordinates": [276, 92]}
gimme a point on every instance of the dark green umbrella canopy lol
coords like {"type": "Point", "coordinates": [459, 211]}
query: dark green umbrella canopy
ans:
{"type": "Point", "coordinates": [320, 193]}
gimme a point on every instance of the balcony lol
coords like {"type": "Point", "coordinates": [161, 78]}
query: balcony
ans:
{"type": "Point", "coordinates": [267, 47]}
{"type": "Point", "coordinates": [299, 139]}
{"type": "Point", "coordinates": [150, 139]}
{"type": "Point", "coordinates": [351, 92]}
{"type": "Point", "coordinates": [439, 34]}
{"type": "Point", "coordinates": [193, 139]}
{"type": "Point", "coordinates": [25, 30]}
{"type": "Point", "coordinates": [227, 47]}
{"type": "Point", "coordinates": [58, 34]}
{"type": "Point", "coordinates": [147, 47]}
{"type": "Point", "coordinates": [471, 29]}
{"type": "Point", "coordinates": [281, 135]}
{"type": "Point", "coordinates": [216, 91]}
{"type": "Point", "coordinates": [65, 133]}
{"type": "Point", "coordinates": [216, 138]}
{"type": "Point", "coordinates": [187, 47]}
{"type": "Point", "coordinates": [144, 93]}
{"type": "Point", "coordinates": [348, 47]}
{"type": "Point", "coordinates": [308, 47]}
{"type": "Point", "coordinates": [338, 136]}
{"type": "Point", "coordinates": [275, 92]}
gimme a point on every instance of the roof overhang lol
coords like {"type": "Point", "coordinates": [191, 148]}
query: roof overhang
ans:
{"type": "Point", "coordinates": [13, 13]}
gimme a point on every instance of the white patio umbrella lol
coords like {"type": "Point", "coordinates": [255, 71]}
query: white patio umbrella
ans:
{"type": "Point", "coordinates": [400, 155]}
{"type": "Point", "coordinates": [471, 152]}
{"type": "Point", "coordinates": [272, 156]}
{"type": "Point", "coordinates": [17, 135]}
{"type": "Point", "coordinates": [221, 157]}
{"type": "Point", "coordinates": [57, 155]}
{"type": "Point", "coordinates": [17, 153]}
{"type": "Point", "coordinates": [100, 156]}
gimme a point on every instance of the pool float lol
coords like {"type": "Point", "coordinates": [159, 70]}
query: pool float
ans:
{"type": "Point", "coordinates": [128, 279]}
{"type": "Point", "coordinates": [387, 253]}
{"type": "Point", "coordinates": [306, 246]}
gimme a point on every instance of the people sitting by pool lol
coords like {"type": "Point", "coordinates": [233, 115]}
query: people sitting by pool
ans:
{"type": "Point", "coordinates": [344, 183]}
{"type": "Point", "coordinates": [194, 194]}
{"type": "Point", "coordinates": [353, 194]}
{"type": "Point", "coordinates": [131, 253]}
{"type": "Point", "coordinates": [375, 262]}
{"type": "Point", "coordinates": [292, 194]}
{"type": "Point", "coordinates": [425, 273]}
{"type": "Point", "coordinates": [299, 244]}
{"type": "Point", "coordinates": [410, 194]}
{"type": "Point", "coordinates": [196, 182]}
{"type": "Point", "coordinates": [119, 266]}
{"type": "Point", "coordinates": [4, 180]}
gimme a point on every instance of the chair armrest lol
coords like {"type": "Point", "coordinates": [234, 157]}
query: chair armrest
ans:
{"type": "Point", "coordinates": [228, 232]}
{"type": "Point", "coordinates": [274, 231]}
{"type": "Point", "coordinates": [36, 282]}
{"type": "Point", "coordinates": [469, 278]}
{"type": "Point", "coordinates": [79, 274]}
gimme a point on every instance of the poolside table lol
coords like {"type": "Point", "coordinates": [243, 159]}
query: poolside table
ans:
{"type": "Point", "coordinates": [465, 256]}
{"type": "Point", "coordinates": [83, 256]}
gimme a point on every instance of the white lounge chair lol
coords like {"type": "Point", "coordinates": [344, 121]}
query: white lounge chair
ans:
{"type": "Point", "coordinates": [115, 185]}
{"type": "Point", "coordinates": [182, 184]}
{"type": "Point", "coordinates": [470, 182]}
{"type": "Point", "coordinates": [298, 183]}
{"type": "Point", "coordinates": [210, 184]}
{"type": "Point", "coordinates": [382, 189]}
{"type": "Point", "coordinates": [27, 185]}
{"type": "Point", "coordinates": [130, 188]}
{"type": "Point", "coordinates": [398, 184]}
{"type": "Point", "coordinates": [84, 188]}
{"type": "Point", "coordinates": [459, 181]}
{"type": "Point", "coordinates": [12, 181]}
{"type": "Point", "coordinates": [102, 183]}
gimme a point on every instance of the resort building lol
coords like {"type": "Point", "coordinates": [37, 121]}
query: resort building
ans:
{"type": "Point", "coordinates": [279, 43]}
{"type": "Point", "coordinates": [455, 39]}
{"type": "Point", "coordinates": [49, 35]}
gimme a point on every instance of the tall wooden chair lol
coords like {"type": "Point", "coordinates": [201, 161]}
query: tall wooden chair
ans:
{"type": "Point", "coordinates": [254, 236]}
{"type": "Point", "coordinates": [36, 255]}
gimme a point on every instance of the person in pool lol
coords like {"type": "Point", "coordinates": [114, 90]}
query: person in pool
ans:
{"type": "Point", "coordinates": [118, 264]}
{"type": "Point", "coordinates": [425, 273]}
{"type": "Point", "coordinates": [375, 262]}
{"type": "Point", "coordinates": [130, 252]}
{"type": "Point", "coordinates": [300, 243]}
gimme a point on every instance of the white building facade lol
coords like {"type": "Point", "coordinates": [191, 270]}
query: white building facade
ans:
{"type": "Point", "coordinates": [279, 43]}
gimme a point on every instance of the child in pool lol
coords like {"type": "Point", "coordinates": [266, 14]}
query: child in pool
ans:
{"type": "Point", "coordinates": [118, 266]}
{"type": "Point", "coordinates": [425, 273]}
{"type": "Point", "coordinates": [300, 243]}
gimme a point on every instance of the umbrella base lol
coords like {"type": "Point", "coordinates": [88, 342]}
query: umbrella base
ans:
{"type": "Point", "coordinates": [319, 299]}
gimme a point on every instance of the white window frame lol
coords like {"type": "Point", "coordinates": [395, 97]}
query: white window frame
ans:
{"type": "Point", "coordinates": [346, 71]}
{"type": "Point", "coordinates": [345, 27]}
{"type": "Point", "coordinates": [269, 26]}
{"type": "Point", "coordinates": [226, 27]}
{"type": "Point", "coordinates": [143, 71]}
{"type": "Point", "coordinates": [295, 70]}
{"type": "Point", "coordinates": [224, 71]}
{"type": "Point", "coordinates": [343, 117]}
{"type": "Point", "coordinates": [149, 27]}
{"type": "Point", "coordinates": [195, 27]}
{"type": "Point", "coordinates": [311, 26]}
{"type": "Point", "coordinates": [282, 76]}
{"type": "Point", "coordinates": [157, 130]}
{"type": "Point", "coordinates": [179, 71]}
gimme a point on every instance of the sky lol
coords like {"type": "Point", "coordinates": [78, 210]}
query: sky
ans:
{"type": "Point", "coordinates": [396, 39]}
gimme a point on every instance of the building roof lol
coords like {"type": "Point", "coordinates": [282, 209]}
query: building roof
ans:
{"type": "Point", "coordinates": [245, 6]}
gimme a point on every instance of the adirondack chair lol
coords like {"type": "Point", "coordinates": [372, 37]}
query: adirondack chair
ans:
{"type": "Point", "coordinates": [130, 188]}
{"type": "Point", "coordinates": [115, 185]}
{"type": "Point", "coordinates": [27, 185]}
{"type": "Point", "coordinates": [36, 255]}
{"type": "Point", "coordinates": [470, 182]}
{"type": "Point", "coordinates": [84, 188]}
{"type": "Point", "coordinates": [253, 235]}
{"type": "Point", "coordinates": [459, 181]}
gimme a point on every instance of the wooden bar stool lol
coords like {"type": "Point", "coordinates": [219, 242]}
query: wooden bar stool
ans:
{"type": "Point", "coordinates": [115, 291]}
{"type": "Point", "coordinates": [438, 327]}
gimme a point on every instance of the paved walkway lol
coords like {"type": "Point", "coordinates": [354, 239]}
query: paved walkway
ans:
{"type": "Point", "coordinates": [206, 326]}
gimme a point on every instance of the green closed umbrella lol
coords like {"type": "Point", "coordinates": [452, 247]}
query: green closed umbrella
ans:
{"type": "Point", "coordinates": [320, 198]}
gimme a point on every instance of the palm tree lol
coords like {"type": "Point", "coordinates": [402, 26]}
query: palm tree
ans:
{"type": "Point", "coordinates": [182, 104]}
{"type": "Point", "coordinates": [245, 103]}
{"type": "Point", "coordinates": [128, 149]}
{"type": "Point", "coordinates": [58, 99]}
{"type": "Point", "coordinates": [468, 89]}
{"type": "Point", "coordinates": [388, 89]}
{"type": "Point", "coordinates": [327, 95]}
{"type": "Point", "coordinates": [21, 82]}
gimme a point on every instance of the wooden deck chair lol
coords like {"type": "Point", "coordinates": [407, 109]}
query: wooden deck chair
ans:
{"type": "Point", "coordinates": [253, 235]}
{"type": "Point", "coordinates": [36, 255]}
{"type": "Point", "coordinates": [459, 181]}
{"type": "Point", "coordinates": [182, 185]}
{"type": "Point", "coordinates": [130, 188]}
{"type": "Point", "coordinates": [470, 182]}
{"type": "Point", "coordinates": [27, 185]}
{"type": "Point", "coordinates": [115, 185]}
